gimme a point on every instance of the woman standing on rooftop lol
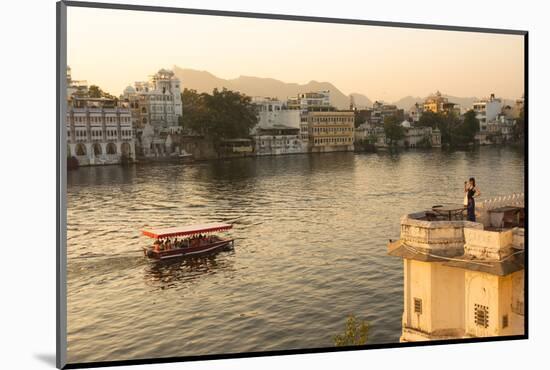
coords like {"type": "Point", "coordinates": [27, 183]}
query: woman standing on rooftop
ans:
{"type": "Point", "coordinates": [471, 191]}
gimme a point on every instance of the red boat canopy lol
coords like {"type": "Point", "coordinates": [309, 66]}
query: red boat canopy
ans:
{"type": "Point", "coordinates": [185, 230]}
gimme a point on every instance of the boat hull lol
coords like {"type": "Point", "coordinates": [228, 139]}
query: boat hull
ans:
{"type": "Point", "coordinates": [188, 251]}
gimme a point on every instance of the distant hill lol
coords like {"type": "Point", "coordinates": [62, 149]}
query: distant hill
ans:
{"type": "Point", "coordinates": [408, 101]}
{"type": "Point", "coordinates": [203, 81]}
{"type": "Point", "coordinates": [361, 101]}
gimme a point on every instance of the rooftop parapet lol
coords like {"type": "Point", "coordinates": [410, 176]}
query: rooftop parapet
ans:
{"type": "Point", "coordinates": [490, 245]}
{"type": "Point", "coordinates": [440, 238]}
{"type": "Point", "coordinates": [463, 244]}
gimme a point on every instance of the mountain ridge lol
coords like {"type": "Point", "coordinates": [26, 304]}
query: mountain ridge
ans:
{"type": "Point", "coordinates": [204, 81]}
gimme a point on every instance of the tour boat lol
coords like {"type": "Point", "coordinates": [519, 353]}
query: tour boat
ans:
{"type": "Point", "coordinates": [186, 240]}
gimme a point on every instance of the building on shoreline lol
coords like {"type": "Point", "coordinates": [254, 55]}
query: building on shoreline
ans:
{"type": "Point", "coordinates": [367, 133]}
{"type": "Point", "coordinates": [437, 103]}
{"type": "Point", "coordinates": [419, 136]}
{"type": "Point", "coordinates": [278, 128]}
{"type": "Point", "coordinates": [463, 279]}
{"type": "Point", "coordinates": [155, 106]}
{"type": "Point", "coordinates": [329, 131]}
{"type": "Point", "coordinates": [487, 110]}
{"type": "Point", "coordinates": [278, 139]}
{"type": "Point", "coordinates": [99, 131]}
{"type": "Point", "coordinates": [380, 111]}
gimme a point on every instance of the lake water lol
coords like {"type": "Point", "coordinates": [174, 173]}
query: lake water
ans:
{"type": "Point", "coordinates": [311, 234]}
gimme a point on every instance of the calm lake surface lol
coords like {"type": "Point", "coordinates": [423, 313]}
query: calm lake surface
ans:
{"type": "Point", "coordinates": [311, 234]}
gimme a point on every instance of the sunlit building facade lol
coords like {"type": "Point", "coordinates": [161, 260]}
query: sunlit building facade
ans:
{"type": "Point", "coordinates": [99, 132]}
{"type": "Point", "coordinates": [155, 106]}
{"type": "Point", "coordinates": [330, 131]}
{"type": "Point", "coordinates": [437, 103]}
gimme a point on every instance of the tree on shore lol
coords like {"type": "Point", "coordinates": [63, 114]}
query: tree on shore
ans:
{"type": "Point", "coordinates": [224, 114]}
{"type": "Point", "coordinates": [393, 130]}
{"type": "Point", "coordinates": [95, 91]}
{"type": "Point", "coordinates": [464, 133]}
{"type": "Point", "coordinates": [355, 334]}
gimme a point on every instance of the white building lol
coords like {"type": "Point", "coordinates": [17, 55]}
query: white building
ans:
{"type": "Point", "coordinates": [156, 106]}
{"type": "Point", "coordinates": [272, 112]}
{"type": "Point", "coordinates": [278, 128]}
{"type": "Point", "coordinates": [99, 132]}
{"type": "Point", "coordinates": [487, 110]}
{"type": "Point", "coordinates": [277, 140]}
{"type": "Point", "coordinates": [417, 136]}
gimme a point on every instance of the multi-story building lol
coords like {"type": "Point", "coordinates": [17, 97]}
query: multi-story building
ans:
{"type": "Point", "coordinates": [278, 128]}
{"type": "Point", "coordinates": [311, 101]}
{"type": "Point", "coordinates": [329, 131]}
{"type": "Point", "coordinates": [278, 139]}
{"type": "Point", "coordinates": [380, 111]}
{"type": "Point", "coordinates": [271, 112]}
{"type": "Point", "coordinates": [437, 103]}
{"type": "Point", "coordinates": [371, 134]}
{"type": "Point", "coordinates": [416, 136]}
{"type": "Point", "coordinates": [463, 279]}
{"type": "Point", "coordinates": [487, 110]}
{"type": "Point", "coordinates": [156, 106]}
{"type": "Point", "coordinates": [99, 131]}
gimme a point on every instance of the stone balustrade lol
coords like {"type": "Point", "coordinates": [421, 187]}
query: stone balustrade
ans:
{"type": "Point", "coordinates": [483, 207]}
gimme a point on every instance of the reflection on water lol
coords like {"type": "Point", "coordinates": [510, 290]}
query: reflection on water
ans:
{"type": "Point", "coordinates": [310, 230]}
{"type": "Point", "coordinates": [178, 273]}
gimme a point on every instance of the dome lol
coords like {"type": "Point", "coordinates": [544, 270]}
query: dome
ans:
{"type": "Point", "coordinates": [129, 90]}
{"type": "Point", "coordinates": [406, 124]}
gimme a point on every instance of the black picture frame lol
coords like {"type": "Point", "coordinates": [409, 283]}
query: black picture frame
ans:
{"type": "Point", "coordinates": [61, 175]}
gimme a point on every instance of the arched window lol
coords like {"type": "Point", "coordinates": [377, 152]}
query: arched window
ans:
{"type": "Point", "coordinates": [80, 149]}
{"type": "Point", "coordinates": [111, 148]}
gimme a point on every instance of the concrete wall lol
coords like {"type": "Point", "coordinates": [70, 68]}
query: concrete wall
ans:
{"type": "Point", "coordinates": [503, 295]}
{"type": "Point", "coordinates": [441, 291]}
{"type": "Point", "coordinates": [485, 244]}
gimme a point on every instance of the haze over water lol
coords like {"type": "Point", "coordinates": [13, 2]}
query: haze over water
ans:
{"type": "Point", "coordinates": [311, 234]}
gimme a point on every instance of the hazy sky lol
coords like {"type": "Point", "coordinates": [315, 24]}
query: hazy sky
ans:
{"type": "Point", "coordinates": [114, 48]}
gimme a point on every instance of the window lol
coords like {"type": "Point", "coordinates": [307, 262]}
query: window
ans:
{"type": "Point", "coordinates": [418, 306]}
{"type": "Point", "coordinates": [481, 315]}
{"type": "Point", "coordinates": [504, 321]}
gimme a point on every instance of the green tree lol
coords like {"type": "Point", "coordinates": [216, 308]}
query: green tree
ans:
{"type": "Point", "coordinates": [446, 123]}
{"type": "Point", "coordinates": [95, 91]}
{"type": "Point", "coordinates": [393, 129]}
{"type": "Point", "coordinates": [355, 334]}
{"type": "Point", "coordinates": [224, 114]}
{"type": "Point", "coordinates": [464, 132]}
{"type": "Point", "coordinates": [194, 111]}
{"type": "Point", "coordinates": [430, 119]}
